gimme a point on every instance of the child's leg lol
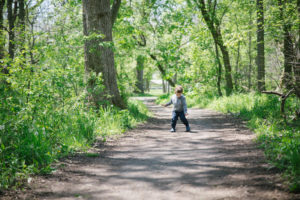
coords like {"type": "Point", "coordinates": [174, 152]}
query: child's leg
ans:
{"type": "Point", "coordinates": [174, 119]}
{"type": "Point", "coordinates": [183, 119]}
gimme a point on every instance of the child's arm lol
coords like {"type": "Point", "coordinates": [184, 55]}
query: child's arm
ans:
{"type": "Point", "coordinates": [167, 104]}
{"type": "Point", "coordinates": [184, 106]}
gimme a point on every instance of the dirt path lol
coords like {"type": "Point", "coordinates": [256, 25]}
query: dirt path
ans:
{"type": "Point", "coordinates": [217, 160]}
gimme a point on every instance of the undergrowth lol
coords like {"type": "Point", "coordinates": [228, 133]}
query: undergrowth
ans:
{"type": "Point", "coordinates": [30, 141]}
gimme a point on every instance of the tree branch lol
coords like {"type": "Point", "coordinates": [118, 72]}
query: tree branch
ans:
{"type": "Point", "coordinates": [114, 11]}
{"type": "Point", "coordinates": [162, 71]}
{"type": "Point", "coordinates": [272, 92]}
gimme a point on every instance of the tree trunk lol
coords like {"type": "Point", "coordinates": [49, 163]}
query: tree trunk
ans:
{"type": "Point", "coordinates": [175, 78]}
{"type": "Point", "coordinates": [164, 86]}
{"type": "Point", "coordinates": [2, 37]}
{"type": "Point", "coordinates": [147, 83]}
{"type": "Point", "coordinates": [296, 67]}
{"type": "Point", "coordinates": [236, 73]}
{"type": "Point", "coordinates": [213, 26]}
{"type": "Point", "coordinates": [288, 51]}
{"type": "Point", "coordinates": [12, 8]}
{"type": "Point", "coordinates": [260, 46]}
{"type": "Point", "coordinates": [22, 26]}
{"type": "Point", "coordinates": [219, 70]}
{"type": "Point", "coordinates": [249, 51]}
{"type": "Point", "coordinates": [140, 73]}
{"type": "Point", "coordinates": [99, 59]}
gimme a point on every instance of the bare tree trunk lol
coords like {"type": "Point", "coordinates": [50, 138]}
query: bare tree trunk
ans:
{"type": "Point", "coordinates": [175, 78]}
{"type": "Point", "coordinates": [2, 37]}
{"type": "Point", "coordinates": [296, 67]}
{"type": "Point", "coordinates": [147, 83]}
{"type": "Point", "coordinates": [22, 25]}
{"type": "Point", "coordinates": [249, 52]}
{"type": "Point", "coordinates": [99, 59]}
{"type": "Point", "coordinates": [260, 46]}
{"type": "Point", "coordinates": [288, 51]}
{"type": "Point", "coordinates": [164, 86]}
{"type": "Point", "coordinates": [140, 73]}
{"type": "Point", "coordinates": [219, 70]}
{"type": "Point", "coordinates": [12, 8]}
{"type": "Point", "coordinates": [214, 27]}
{"type": "Point", "coordinates": [236, 73]}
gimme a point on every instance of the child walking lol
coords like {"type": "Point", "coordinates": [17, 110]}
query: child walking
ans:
{"type": "Point", "coordinates": [179, 109]}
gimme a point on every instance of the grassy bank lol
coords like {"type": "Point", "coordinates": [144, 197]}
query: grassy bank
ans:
{"type": "Point", "coordinates": [31, 142]}
{"type": "Point", "coordinates": [281, 142]}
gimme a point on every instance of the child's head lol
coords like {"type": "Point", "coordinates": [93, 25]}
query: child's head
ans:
{"type": "Point", "coordinates": [178, 91]}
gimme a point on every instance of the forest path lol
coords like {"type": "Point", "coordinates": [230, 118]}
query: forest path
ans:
{"type": "Point", "coordinates": [217, 160]}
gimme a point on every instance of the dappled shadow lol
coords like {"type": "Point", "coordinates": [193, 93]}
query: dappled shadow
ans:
{"type": "Point", "coordinates": [218, 156]}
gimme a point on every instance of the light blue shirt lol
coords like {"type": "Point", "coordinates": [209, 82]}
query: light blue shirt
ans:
{"type": "Point", "coordinates": [179, 104]}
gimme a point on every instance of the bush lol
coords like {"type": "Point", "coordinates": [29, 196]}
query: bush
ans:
{"type": "Point", "coordinates": [31, 144]}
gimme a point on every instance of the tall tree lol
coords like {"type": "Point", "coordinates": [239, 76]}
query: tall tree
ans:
{"type": "Point", "coordinates": [213, 24]}
{"type": "Point", "coordinates": [296, 66]}
{"type": "Point", "coordinates": [260, 46]}
{"type": "Point", "coordinates": [140, 60]}
{"type": "Point", "coordinates": [288, 49]}
{"type": "Point", "coordinates": [219, 70]}
{"type": "Point", "coordinates": [12, 9]}
{"type": "Point", "coordinates": [2, 36]}
{"type": "Point", "coordinates": [22, 24]}
{"type": "Point", "coordinates": [140, 73]}
{"type": "Point", "coordinates": [98, 20]}
{"type": "Point", "coordinates": [250, 50]}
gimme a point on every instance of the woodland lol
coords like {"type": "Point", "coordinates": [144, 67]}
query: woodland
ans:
{"type": "Point", "coordinates": [68, 70]}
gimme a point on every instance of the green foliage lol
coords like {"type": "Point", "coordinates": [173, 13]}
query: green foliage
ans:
{"type": "Point", "coordinates": [164, 98]}
{"type": "Point", "coordinates": [44, 112]}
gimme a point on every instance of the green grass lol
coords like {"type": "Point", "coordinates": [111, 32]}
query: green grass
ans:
{"type": "Point", "coordinates": [29, 144]}
{"type": "Point", "coordinates": [281, 142]}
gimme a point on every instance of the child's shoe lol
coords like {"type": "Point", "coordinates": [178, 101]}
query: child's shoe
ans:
{"type": "Point", "coordinates": [172, 130]}
{"type": "Point", "coordinates": [188, 129]}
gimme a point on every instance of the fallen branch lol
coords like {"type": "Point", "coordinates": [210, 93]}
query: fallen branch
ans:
{"type": "Point", "coordinates": [283, 99]}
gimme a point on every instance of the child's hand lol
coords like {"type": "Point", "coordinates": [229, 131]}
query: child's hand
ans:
{"type": "Point", "coordinates": [186, 114]}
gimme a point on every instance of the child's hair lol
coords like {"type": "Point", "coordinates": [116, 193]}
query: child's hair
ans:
{"type": "Point", "coordinates": [178, 89]}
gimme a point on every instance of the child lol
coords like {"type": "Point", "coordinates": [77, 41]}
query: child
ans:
{"type": "Point", "coordinates": [179, 109]}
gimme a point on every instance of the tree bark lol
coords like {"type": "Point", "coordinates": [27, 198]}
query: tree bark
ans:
{"type": "Point", "coordinates": [288, 51]}
{"type": "Point", "coordinates": [236, 73]}
{"type": "Point", "coordinates": [2, 37]}
{"type": "Point", "coordinates": [213, 26]}
{"type": "Point", "coordinates": [249, 52]}
{"type": "Point", "coordinates": [260, 46]}
{"type": "Point", "coordinates": [99, 56]}
{"type": "Point", "coordinates": [22, 25]}
{"type": "Point", "coordinates": [140, 73]}
{"type": "Point", "coordinates": [296, 66]}
{"type": "Point", "coordinates": [164, 86]}
{"type": "Point", "coordinates": [219, 70]}
{"type": "Point", "coordinates": [12, 7]}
